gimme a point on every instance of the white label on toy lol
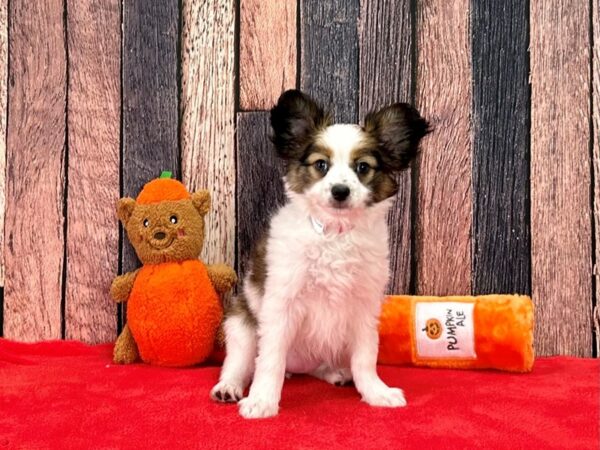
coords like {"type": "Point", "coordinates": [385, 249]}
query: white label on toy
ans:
{"type": "Point", "coordinates": [445, 330]}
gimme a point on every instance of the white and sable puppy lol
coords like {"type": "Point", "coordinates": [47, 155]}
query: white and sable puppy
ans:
{"type": "Point", "coordinates": [312, 296]}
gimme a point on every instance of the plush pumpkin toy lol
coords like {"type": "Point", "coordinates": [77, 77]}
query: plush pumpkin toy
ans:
{"type": "Point", "coordinates": [173, 303]}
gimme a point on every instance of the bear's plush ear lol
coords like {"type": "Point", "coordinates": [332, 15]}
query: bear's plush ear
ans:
{"type": "Point", "coordinates": [398, 129]}
{"type": "Point", "coordinates": [294, 119]}
{"type": "Point", "coordinates": [125, 208]}
{"type": "Point", "coordinates": [201, 201]}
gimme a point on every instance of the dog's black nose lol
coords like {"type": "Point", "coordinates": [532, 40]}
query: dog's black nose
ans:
{"type": "Point", "coordinates": [340, 192]}
{"type": "Point", "coordinates": [159, 235]}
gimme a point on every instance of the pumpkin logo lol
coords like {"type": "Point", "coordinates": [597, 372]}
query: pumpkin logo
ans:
{"type": "Point", "coordinates": [433, 328]}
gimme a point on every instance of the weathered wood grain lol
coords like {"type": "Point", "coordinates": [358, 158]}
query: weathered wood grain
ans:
{"type": "Point", "coordinates": [596, 158]}
{"type": "Point", "coordinates": [259, 182]}
{"type": "Point", "coordinates": [267, 51]}
{"type": "Point", "coordinates": [329, 55]}
{"type": "Point", "coordinates": [385, 77]}
{"type": "Point", "coordinates": [207, 112]}
{"type": "Point", "coordinates": [444, 197]}
{"type": "Point", "coordinates": [560, 177]}
{"type": "Point", "coordinates": [34, 227]}
{"type": "Point", "coordinates": [3, 109]}
{"type": "Point", "coordinates": [94, 114]}
{"type": "Point", "coordinates": [500, 118]}
{"type": "Point", "coordinates": [150, 98]}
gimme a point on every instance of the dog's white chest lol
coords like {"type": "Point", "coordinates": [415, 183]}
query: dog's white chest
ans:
{"type": "Point", "coordinates": [343, 279]}
{"type": "Point", "coordinates": [331, 263]}
{"type": "Point", "coordinates": [332, 278]}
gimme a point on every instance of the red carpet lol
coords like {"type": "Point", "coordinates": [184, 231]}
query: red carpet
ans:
{"type": "Point", "coordinates": [69, 395]}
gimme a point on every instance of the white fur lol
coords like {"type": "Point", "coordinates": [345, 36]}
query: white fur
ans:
{"type": "Point", "coordinates": [239, 363]}
{"type": "Point", "coordinates": [323, 294]}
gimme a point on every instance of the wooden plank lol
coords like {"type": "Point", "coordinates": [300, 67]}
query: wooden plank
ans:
{"type": "Point", "coordinates": [34, 245]}
{"type": "Point", "coordinates": [501, 233]}
{"type": "Point", "coordinates": [560, 177]}
{"type": "Point", "coordinates": [596, 159]}
{"type": "Point", "coordinates": [3, 110]}
{"type": "Point", "coordinates": [329, 55]}
{"type": "Point", "coordinates": [94, 38]}
{"type": "Point", "coordinates": [207, 111]}
{"type": "Point", "coordinates": [259, 178]}
{"type": "Point", "coordinates": [385, 77]}
{"type": "Point", "coordinates": [444, 208]}
{"type": "Point", "coordinates": [267, 51]}
{"type": "Point", "coordinates": [150, 98]}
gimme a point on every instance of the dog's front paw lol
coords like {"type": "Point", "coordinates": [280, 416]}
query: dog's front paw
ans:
{"type": "Point", "coordinates": [227, 392]}
{"type": "Point", "coordinates": [386, 396]}
{"type": "Point", "coordinates": [253, 408]}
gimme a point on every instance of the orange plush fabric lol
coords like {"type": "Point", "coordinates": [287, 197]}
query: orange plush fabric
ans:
{"type": "Point", "coordinates": [161, 190]}
{"type": "Point", "coordinates": [171, 332]}
{"type": "Point", "coordinates": [503, 332]}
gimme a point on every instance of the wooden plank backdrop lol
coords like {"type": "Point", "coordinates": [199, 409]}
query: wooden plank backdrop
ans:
{"type": "Point", "coordinates": [3, 104]}
{"type": "Point", "coordinates": [93, 124]}
{"type": "Point", "coordinates": [3, 107]}
{"type": "Point", "coordinates": [596, 159]}
{"type": "Point", "coordinates": [34, 246]}
{"type": "Point", "coordinates": [100, 96]}
{"type": "Point", "coordinates": [501, 245]}
{"type": "Point", "coordinates": [268, 56]}
{"type": "Point", "coordinates": [444, 196]}
{"type": "Point", "coordinates": [560, 176]}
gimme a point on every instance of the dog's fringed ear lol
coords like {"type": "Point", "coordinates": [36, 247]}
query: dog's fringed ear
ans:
{"type": "Point", "coordinates": [398, 129]}
{"type": "Point", "coordinates": [294, 119]}
{"type": "Point", "coordinates": [125, 207]}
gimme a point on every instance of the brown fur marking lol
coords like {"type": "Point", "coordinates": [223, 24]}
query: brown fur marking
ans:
{"type": "Point", "coordinates": [240, 307]}
{"type": "Point", "coordinates": [258, 267]}
{"type": "Point", "coordinates": [302, 174]}
{"type": "Point", "coordinates": [379, 180]}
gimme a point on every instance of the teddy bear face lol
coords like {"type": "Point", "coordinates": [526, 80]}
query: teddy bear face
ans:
{"type": "Point", "coordinates": [166, 231]}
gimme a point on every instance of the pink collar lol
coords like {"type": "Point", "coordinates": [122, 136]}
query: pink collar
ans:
{"type": "Point", "coordinates": [321, 229]}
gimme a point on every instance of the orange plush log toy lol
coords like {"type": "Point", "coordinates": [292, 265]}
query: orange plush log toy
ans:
{"type": "Point", "coordinates": [485, 332]}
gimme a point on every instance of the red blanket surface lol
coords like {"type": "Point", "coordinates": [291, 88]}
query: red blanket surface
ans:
{"type": "Point", "coordinates": [70, 395]}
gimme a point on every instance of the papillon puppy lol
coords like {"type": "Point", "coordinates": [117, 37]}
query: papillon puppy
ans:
{"type": "Point", "coordinates": [313, 293]}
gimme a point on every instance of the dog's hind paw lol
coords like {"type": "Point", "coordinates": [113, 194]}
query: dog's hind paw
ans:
{"type": "Point", "coordinates": [337, 377]}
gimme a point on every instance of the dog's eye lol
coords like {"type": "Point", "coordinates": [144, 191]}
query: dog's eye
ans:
{"type": "Point", "coordinates": [173, 219]}
{"type": "Point", "coordinates": [362, 168]}
{"type": "Point", "coordinates": [146, 223]}
{"type": "Point", "coordinates": [322, 166]}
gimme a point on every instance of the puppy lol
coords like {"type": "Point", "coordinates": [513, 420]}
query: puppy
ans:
{"type": "Point", "coordinates": [312, 296]}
